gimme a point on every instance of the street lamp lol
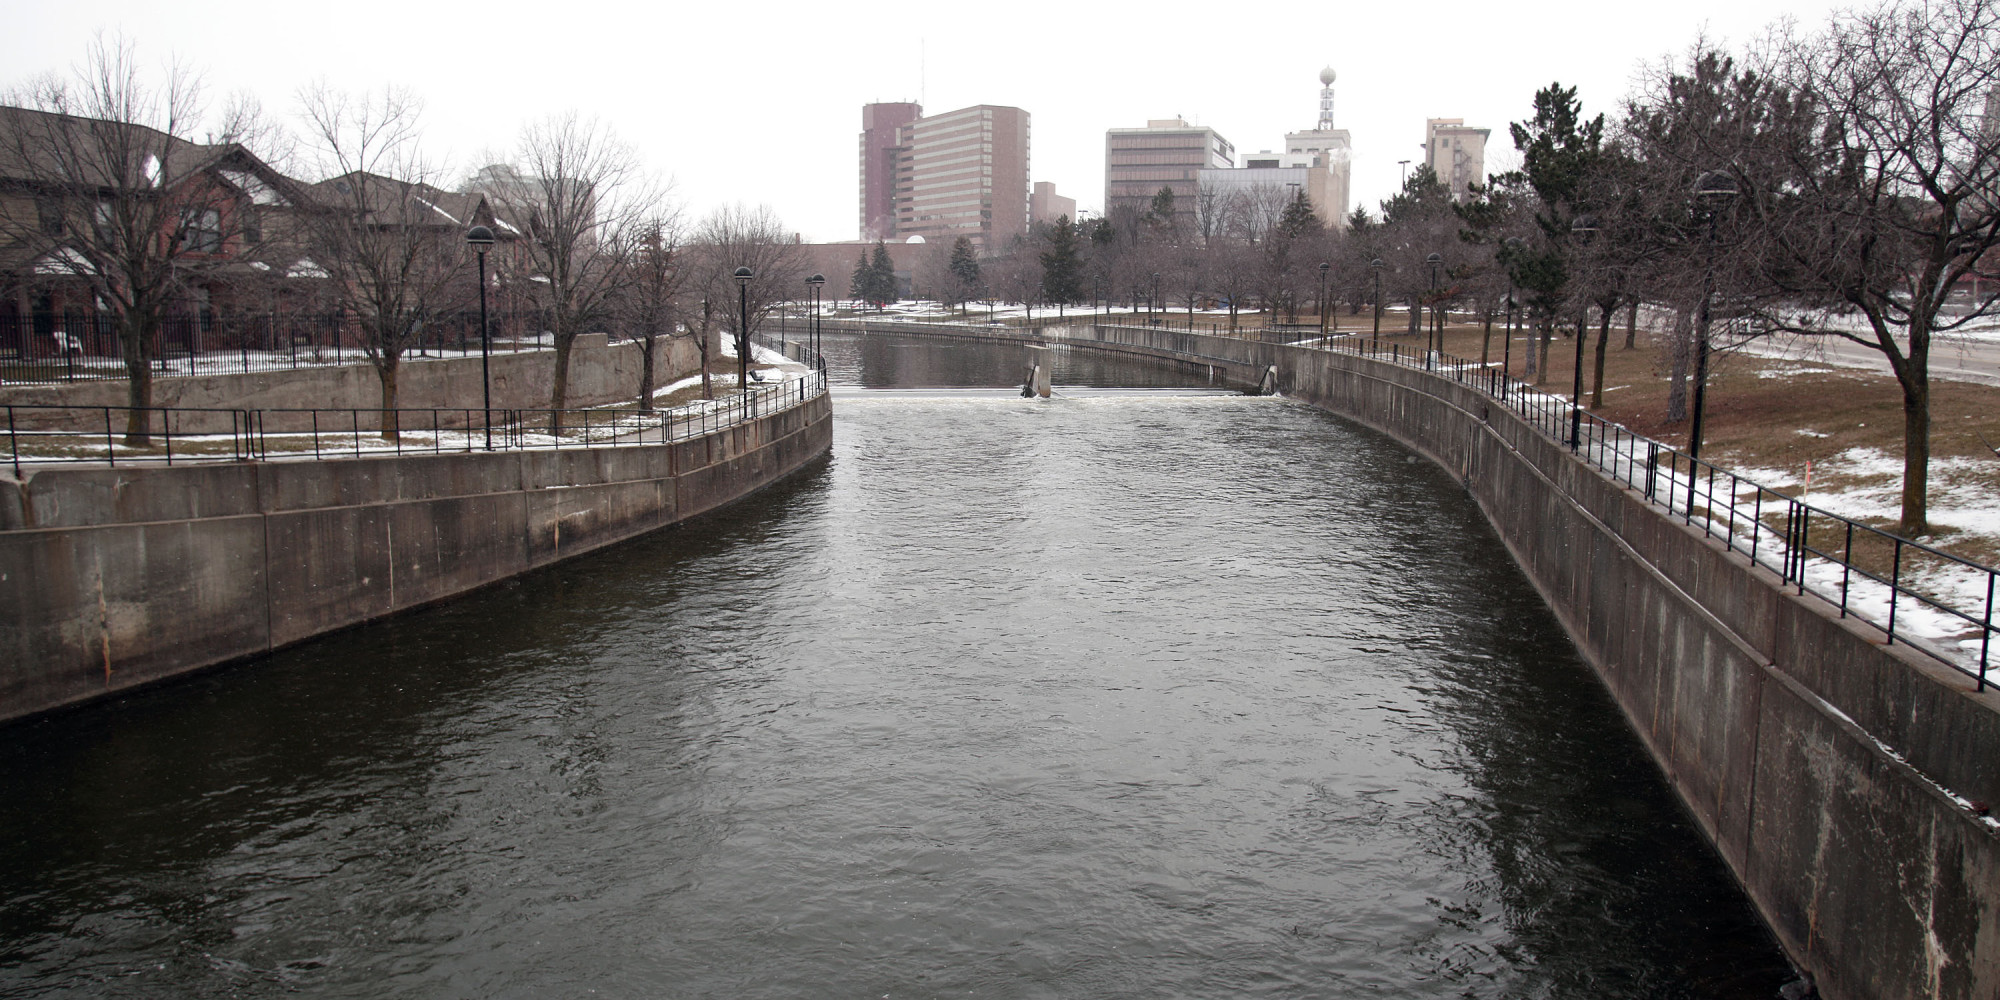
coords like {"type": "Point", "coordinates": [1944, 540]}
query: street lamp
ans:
{"type": "Point", "coordinates": [743, 276]}
{"type": "Point", "coordinates": [480, 239]}
{"type": "Point", "coordinates": [1374, 341]}
{"type": "Point", "coordinates": [1436, 332]}
{"type": "Point", "coordinates": [1324, 267]}
{"type": "Point", "coordinates": [1584, 228]}
{"type": "Point", "coordinates": [1714, 190]}
{"type": "Point", "coordinates": [812, 330]}
{"type": "Point", "coordinates": [1512, 246]}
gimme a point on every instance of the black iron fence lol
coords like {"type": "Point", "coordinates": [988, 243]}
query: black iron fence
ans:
{"type": "Point", "coordinates": [56, 435]}
{"type": "Point", "coordinates": [68, 346]}
{"type": "Point", "coordinates": [1863, 571]}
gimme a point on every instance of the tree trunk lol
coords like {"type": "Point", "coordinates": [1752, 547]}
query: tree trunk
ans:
{"type": "Point", "coordinates": [385, 372]}
{"type": "Point", "coordinates": [1682, 346]}
{"type": "Point", "coordinates": [1486, 340]}
{"type": "Point", "coordinates": [1548, 335]}
{"type": "Point", "coordinates": [1416, 315]}
{"type": "Point", "coordinates": [132, 339]}
{"type": "Point", "coordinates": [1632, 324]}
{"type": "Point", "coordinates": [1597, 382]}
{"type": "Point", "coordinates": [1916, 381]}
{"type": "Point", "coordinates": [559, 389]}
{"type": "Point", "coordinates": [646, 345]}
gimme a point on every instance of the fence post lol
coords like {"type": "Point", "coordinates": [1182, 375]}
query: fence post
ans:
{"type": "Point", "coordinates": [1895, 579]}
{"type": "Point", "coordinates": [13, 442]}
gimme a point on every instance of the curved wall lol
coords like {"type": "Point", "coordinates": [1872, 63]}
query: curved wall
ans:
{"type": "Point", "coordinates": [113, 578]}
{"type": "Point", "coordinates": [1846, 783]}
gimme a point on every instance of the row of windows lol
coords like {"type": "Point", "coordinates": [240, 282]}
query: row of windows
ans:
{"type": "Point", "coordinates": [1156, 174]}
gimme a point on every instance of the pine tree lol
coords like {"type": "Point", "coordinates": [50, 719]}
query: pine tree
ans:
{"type": "Point", "coordinates": [1062, 265]}
{"type": "Point", "coordinates": [881, 278]}
{"type": "Point", "coordinates": [857, 286]}
{"type": "Point", "coordinates": [1300, 218]}
{"type": "Point", "coordinates": [965, 268]}
{"type": "Point", "coordinates": [1162, 212]}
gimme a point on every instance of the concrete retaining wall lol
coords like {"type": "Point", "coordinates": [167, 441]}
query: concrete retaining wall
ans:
{"type": "Point", "coordinates": [1844, 782]}
{"type": "Point", "coordinates": [113, 578]}
{"type": "Point", "coordinates": [599, 373]}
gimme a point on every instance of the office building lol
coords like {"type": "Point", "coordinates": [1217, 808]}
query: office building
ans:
{"type": "Point", "coordinates": [1455, 153]}
{"type": "Point", "coordinates": [881, 127]}
{"type": "Point", "coordinates": [1246, 201]}
{"type": "Point", "coordinates": [961, 173]}
{"type": "Point", "coordinates": [1167, 153]}
{"type": "Point", "coordinates": [1045, 205]}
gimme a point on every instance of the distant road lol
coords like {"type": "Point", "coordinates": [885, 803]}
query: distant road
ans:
{"type": "Point", "coordinates": [1956, 358]}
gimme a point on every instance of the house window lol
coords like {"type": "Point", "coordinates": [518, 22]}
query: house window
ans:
{"type": "Point", "coordinates": [201, 231]}
{"type": "Point", "coordinates": [50, 216]}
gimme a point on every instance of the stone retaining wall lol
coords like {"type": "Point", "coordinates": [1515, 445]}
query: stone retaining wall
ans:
{"type": "Point", "coordinates": [1845, 783]}
{"type": "Point", "coordinates": [114, 578]}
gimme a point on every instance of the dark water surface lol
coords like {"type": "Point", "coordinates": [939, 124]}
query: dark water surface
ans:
{"type": "Point", "coordinates": [1105, 696]}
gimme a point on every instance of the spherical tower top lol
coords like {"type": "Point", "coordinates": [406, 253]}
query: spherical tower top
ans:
{"type": "Point", "coordinates": [1326, 77]}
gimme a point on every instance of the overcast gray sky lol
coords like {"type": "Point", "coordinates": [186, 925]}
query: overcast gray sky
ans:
{"type": "Point", "coordinates": [761, 102]}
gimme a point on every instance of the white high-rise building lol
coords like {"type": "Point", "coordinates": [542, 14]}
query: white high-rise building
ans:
{"type": "Point", "coordinates": [1456, 153]}
{"type": "Point", "coordinates": [1329, 149]}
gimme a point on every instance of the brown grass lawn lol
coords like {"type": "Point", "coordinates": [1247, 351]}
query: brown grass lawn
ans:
{"type": "Point", "coordinates": [1777, 415]}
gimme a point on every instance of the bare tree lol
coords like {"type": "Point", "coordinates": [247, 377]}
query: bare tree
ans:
{"type": "Point", "coordinates": [1868, 167]}
{"type": "Point", "coordinates": [661, 266]}
{"type": "Point", "coordinates": [736, 236]}
{"type": "Point", "coordinates": [390, 240]}
{"type": "Point", "coordinates": [127, 210]}
{"type": "Point", "coordinates": [578, 196]}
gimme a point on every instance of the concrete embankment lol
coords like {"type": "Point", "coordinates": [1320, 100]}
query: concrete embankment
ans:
{"type": "Point", "coordinates": [600, 373]}
{"type": "Point", "coordinates": [113, 578]}
{"type": "Point", "coordinates": [1843, 781]}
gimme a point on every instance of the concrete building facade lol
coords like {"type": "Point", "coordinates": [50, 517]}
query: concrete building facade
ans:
{"type": "Point", "coordinates": [1315, 162]}
{"type": "Point", "coordinates": [1045, 205]}
{"type": "Point", "coordinates": [1168, 153]}
{"type": "Point", "coordinates": [881, 128]}
{"type": "Point", "coordinates": [961, 173]}
{"type": "Point", "coordinates": [1456, 153]}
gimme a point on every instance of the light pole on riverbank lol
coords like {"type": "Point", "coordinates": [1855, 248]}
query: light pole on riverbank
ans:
{"type": "Point", "coordinates": [1583, 228]}
{"type": "Point", "coordinates": [1714, 190]}
{"type": "Point", "coordinates": [1513, 246]}
{"type": "Point", "coordinates": [1375, 339]}
{"type": "Point", "coordinates": [480, 239]}
{"type": "Point", "coordinates": [1434, 330]}
{"type": "Point", "coordinates": [1324, 267]}
{"type": "Point", "coordinates": [812, 332]}
{"type": "Point", "coordinates": [743, 276]}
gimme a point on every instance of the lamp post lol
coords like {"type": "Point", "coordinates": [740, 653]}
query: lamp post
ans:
{"type": "Point", "coordinates": [1714, 190]}
{"type": "Point", "coordinates": [480, 239]}
{"type": "Point", "coordinates": [1435, 332]}
{"type": "Point", "coordinates": [743, 276]}
{"type": "Point", "coordinates": [1513, 245]}
{"type": "Point", "coordinates": [812, 330]}
{"type": "Point", "coordinates": [1324, 267]}
{"type": "Point", "coordinates": [1375, 339]}
{"type": "Point", "coordinates": [1583, 227]}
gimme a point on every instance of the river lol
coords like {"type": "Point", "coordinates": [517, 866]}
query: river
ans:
{"type": "Point", "coordinates": [1117, 694]}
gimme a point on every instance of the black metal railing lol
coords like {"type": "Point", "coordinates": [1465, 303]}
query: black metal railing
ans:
{"type": "Point", "coordinates": [74, 346]}
{"type": "Point", "coordinates": [1862, 571]}
{"type": "Point", "coordinates": [55, 435]}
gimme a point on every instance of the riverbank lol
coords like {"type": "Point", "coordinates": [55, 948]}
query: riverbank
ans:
{"type": "Point", "coordinates": [117, 578]}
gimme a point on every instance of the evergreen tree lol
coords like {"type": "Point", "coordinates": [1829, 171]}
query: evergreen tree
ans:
{"type": "Point", "coordinates": [1162, 212]}
{"type": "Point", "coordinates": [1359, 221]}
{"type": "Point", "coordinates": [1062, 264]}
{"type": "Point", "coordinates": [881, 278]}
{"type": "Point", "coordinates": [1300, 218]}
{"type": "Point", "coordinates": [964, 268]}
{"type": "Point", "coordinates": [857, 286]}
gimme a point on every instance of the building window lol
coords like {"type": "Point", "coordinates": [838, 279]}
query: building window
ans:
{"type": "Point", "coordinates": [201, 230]}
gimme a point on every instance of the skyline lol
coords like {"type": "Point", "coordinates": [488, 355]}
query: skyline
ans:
{"type": "Point", "coordinates": [774, 117]}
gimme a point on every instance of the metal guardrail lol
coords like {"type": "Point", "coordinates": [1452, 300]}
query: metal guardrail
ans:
{"type": "Point", "coordinates": [1862, 571]}
{"type": "Point", "coordinates": [83, 346]}
{"type": "Point", "coordinates": [95, 434]}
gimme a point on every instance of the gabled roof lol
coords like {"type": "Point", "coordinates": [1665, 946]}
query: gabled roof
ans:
{"type": "Point", "coordinates": [41, 147]}
{"type": "Point", "coordinates": [386, 201]}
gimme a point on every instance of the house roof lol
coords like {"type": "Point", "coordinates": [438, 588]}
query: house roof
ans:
{"type": "Point", "coordinates": [387, 202]}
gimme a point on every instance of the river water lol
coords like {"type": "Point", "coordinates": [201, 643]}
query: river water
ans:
{"type": "Point", "coordinates": [1109, 695]}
